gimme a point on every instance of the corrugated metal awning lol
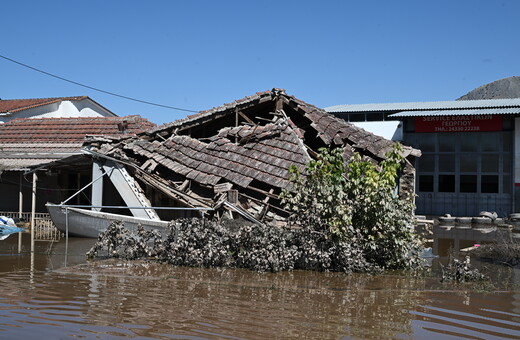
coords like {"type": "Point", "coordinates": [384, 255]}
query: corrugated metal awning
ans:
{"type": "Point", "coordinates": [475, 112]}
{"type": "Point", "coordinates": [440, 105]}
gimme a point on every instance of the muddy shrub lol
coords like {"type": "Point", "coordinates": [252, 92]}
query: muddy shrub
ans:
{"type": "Point", "coordinates": [119, 242]}
{"type": "Point", "coordinates": [505, 251]}
{"type": "Point", "coordinates": [321, 251]}
{"type": "Point", "coordinates": [206, 243]}
{"type": "Point", "coordinates": [357, 206]}
{"type": "Point", "coordinates": [197, 243]}
{"type": "Point", "coordinates": [461, 271]}
{"type": "Point", "coordinates": [262, 248]}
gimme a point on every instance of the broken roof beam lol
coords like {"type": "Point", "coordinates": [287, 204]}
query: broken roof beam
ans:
{"type": "Point", "coordinates": [246, 118]}
{"type": "Point", "coordinates": [191, 200]}
{"type": "Point", "coordinates": [260, 202]}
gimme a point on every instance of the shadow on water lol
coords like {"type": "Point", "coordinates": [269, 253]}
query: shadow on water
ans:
{"type": "Point", "coordinates": [116, 300]}
{"type": "Point", "coordinates": [48, 255]}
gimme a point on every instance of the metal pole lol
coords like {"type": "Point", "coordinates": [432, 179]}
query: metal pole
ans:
{"type": "Point", "coordinates": [20, 211]}
{"type": "Point", "coordinates": [66, 234]}
{"type": "Point", "coordinates": [33, 209]}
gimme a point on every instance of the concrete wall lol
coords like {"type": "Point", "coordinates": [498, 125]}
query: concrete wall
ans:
{"type": "Point", "coordinates": [516, 150]}
{"type": "Point", "coordinates": [63, 109]}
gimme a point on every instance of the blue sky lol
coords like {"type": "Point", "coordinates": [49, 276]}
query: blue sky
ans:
{"type": "Point", "coordinates": [200, 54]}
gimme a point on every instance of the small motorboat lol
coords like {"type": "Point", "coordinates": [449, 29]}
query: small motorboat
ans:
{"type": "Point", "coordinates": [90, 223]}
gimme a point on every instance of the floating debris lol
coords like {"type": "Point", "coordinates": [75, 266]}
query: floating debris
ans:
{"type": "Point", "coordinates": [8, 227]}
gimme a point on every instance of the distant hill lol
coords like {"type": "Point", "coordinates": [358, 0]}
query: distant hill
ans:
{"type": "Point", "coordinates": [499, 89]}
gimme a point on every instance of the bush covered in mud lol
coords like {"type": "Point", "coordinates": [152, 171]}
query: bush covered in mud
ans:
{"type": "Point", "coordinates": [120, 242]}
{"type": "Point", "coordinates": [207, 243]}
{"type": "Point", "coordinates": [504, 251]}
{"type": "Point", "coordinates": [461, 271]}
{"type": "Point", "coordinates": [358, 205]}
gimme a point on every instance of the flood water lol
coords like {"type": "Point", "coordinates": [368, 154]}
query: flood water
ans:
{"type": "Point", "coordinates": [50, 295]}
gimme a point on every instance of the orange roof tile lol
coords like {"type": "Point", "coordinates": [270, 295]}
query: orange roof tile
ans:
{"type": "Point", "coordinates": [70, 130]}
{"type": "Point", "coordinates": [15, 105]}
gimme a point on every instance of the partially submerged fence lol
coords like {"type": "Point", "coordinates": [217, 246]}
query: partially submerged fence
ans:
{"type": "Point", "coordinates": [44, 228]}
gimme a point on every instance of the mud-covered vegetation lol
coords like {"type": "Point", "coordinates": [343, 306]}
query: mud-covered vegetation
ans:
{"type": "Point", "coordinates": [461, 271]}
{"type": "Point", "coordinates": [347, 219]}
{"type": "Point", "coordinates": [359, 205]}
{"type": "Point", "coordinates": [506, 251]}
{"type": "Point", "coordinates": [207, 243]}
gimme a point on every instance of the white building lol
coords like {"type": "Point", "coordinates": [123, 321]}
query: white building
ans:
{"type": "Point", "coordinates": [63, 107]}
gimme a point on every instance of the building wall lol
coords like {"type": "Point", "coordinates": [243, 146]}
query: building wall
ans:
{"type": "Point", "coordinates": [517, 165]}
{"type": "Point", "coordinates": [465, 172]}
{"type": "Point", "coordinates": [83, 108]}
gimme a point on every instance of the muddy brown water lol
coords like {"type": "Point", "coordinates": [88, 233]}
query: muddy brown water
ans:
{"type": "Point", "coordinates": [50, 295]}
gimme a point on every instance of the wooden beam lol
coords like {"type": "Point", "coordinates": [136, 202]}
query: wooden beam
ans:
{"type": "Point", "coordinates": [158, 183]}
{"type": "Point", "coordinates": [260, 202]}
{"type": "Point", "coordinates": [246, 118]}
{"type": "Point", "coordinates": [263, 192]}
{"type": "Point", "coordinates": [264, 119]}
{"type": "Point", "coordinates": [265, 209]}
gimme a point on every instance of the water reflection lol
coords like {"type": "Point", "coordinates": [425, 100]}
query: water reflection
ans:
{"type": "Point", "coordinates": [117, 300]}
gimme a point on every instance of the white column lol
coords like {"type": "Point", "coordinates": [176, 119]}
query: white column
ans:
{"type": "Point", "coordinates": [97, 185]}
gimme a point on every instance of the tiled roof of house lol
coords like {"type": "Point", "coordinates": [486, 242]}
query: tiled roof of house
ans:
{"type": "Point", "coordinates": [70, 130]}
{"type": "Point", "coordinates": [34, 141]}
{"type": "Point", "coordinates": [261, 153]}
{"type": "Point", "coordinates": [333, 131]}
{"type": "Point", "coordinates": [15, 105]}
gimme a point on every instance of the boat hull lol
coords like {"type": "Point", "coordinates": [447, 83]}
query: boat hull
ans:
{"type": "Point", "coordinates": [89, 223]}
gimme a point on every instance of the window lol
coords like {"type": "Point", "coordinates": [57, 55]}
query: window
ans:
{"type": "Point", "coordinates": [469, 143]}
{"type": "Point", "coordinates": [490, 142]}
{"type": "Point", "coordinates": [489, 184]}
{"type": "Point", "coordinates": [427, 143]}
{"type": "Point", "coordinates": [465, 163]}
{"type": "Point", "coordinates": [427, 163]}
{"type": "Point", "coordinates": [468, 163]}
{"type": "Point", "coordinates": [490, 162]}
{"type": "Point", "coordinates": [506, 142]}
{"type": "Point", "coordinates": [468, 183]}
{"type": "Point", "coordinates": [426, 183]}
{"type": "Point", "coordinates": [447, 143]}
{"type": "Point", "coordinates": [506, 165]}
{"type": "Point", "coordinates": [446, 183]}
{"type": "Point", "coordinates": [447, 163]}
{"type": "Point", "coordinates": [506, 184]}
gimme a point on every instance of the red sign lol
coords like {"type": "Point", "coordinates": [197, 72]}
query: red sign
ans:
{"type": "Point", "coordinates": [458, 123]}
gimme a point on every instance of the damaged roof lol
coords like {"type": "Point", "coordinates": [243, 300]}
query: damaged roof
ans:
{"type": "Point", "coordinates": [247, 145]}
{"type": "Point", "coordinates": [261, 153]}
{"type": "Point", "coordinates": [331, 130]}
{"type": "Point", "coordinates": [35, 141]}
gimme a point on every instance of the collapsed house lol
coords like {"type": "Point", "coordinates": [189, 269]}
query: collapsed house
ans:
{"type": "Point", "coordinates": [234, 159]}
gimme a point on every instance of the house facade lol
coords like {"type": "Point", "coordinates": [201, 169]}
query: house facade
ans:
{"type": "Point", "coordinates": [59, 107]}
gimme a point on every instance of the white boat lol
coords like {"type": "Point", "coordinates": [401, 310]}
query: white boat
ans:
{"type": "Point", "coordinates": [90, 223]}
